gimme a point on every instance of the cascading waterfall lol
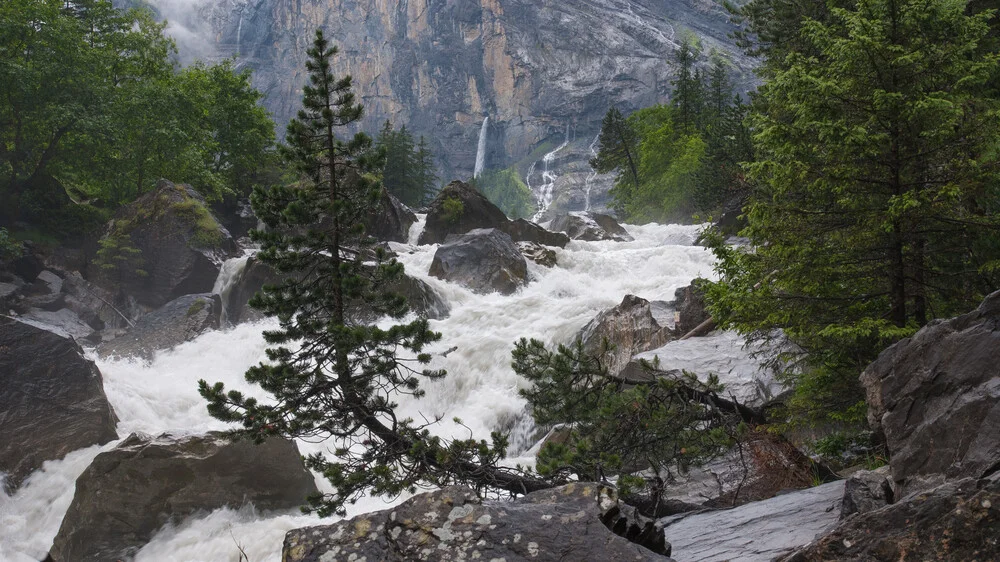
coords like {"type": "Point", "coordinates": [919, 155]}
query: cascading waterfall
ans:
{"type": "Point", "coordinates": [228, 276]}
{"type": "Point", "coordinates": [481, 148]}
{"type": "Point", "coordinates": [239, 32]}
{"type": "Point", "coordinates": [593, 173]}
{"type": "Point", "coordinates": [544, 195]}
{"type": "Point", "coordinates": [480, 389]}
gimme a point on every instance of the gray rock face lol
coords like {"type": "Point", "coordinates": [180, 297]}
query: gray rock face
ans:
{"type": "Point", "coordinates": [955, 522]}
{"type": "Point", "coordinates": [391, 220]}
{"type": "Point", "coordinates": [484, 260]}
{"type": "Point", "coordinates": [537, 253]}
{"type": "Point", "coordinates": [590, 227]}
{"type": "Point", "coordinates": [451, 524]}
{"type": "Point", "coordinates": [755, 532]}
{"type": "Point", "coordinates": [936, 398]}
{"type": "Point", "coordinates": [526, 231]}
{"type": "Point", "coordinates": [866, 490]}
{"type": "Point", "coordinates": [182, 246]}
{"type": "Point", "coordinates": [472, 210]}
{"type": "Point", "coordinates": [176, 322]}
{"type": "Point", "coordinates": [128, 493]}
{"type": "Point", "coordinates": [52, 400]}
{"type": "Point", "coordinates": [689, 302]}
{"type": "Point", "coordinates": [630, 328]}
{"type": "Point", "coordinates": [535, 68]}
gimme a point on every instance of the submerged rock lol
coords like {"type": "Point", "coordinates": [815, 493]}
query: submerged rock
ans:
{"type": "Point", "coordinates": [176, 322]}
{"type": "Point", "coordinates": [590, 227]}
{"type": "Point", "coordinates": [453, 524]}
{"type": "Point", "coordinates": [484, 261]}
{"type": "Point", "coordinates": [755, 532]}
{"type": "Point", "coordinates": [128, 493]}
{"type": "Point", "coordinates": [936, 398]}
{"type": "Point", "coordinates": [52, 400]}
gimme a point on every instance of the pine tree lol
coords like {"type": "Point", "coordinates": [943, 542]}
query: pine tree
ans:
{"type": "Point", "coordinates": [876, 202]}
{"type": "Point", "coordinates": [331, 375]}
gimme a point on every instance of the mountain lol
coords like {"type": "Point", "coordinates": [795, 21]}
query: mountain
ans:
{"type": "Point", "coordinates": [544, 72]}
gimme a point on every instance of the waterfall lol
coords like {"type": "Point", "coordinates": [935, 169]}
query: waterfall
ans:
{"type": "Point", "coordinates": [239, 31]}
{"type": "Point", "coordinates": [230, 273]}
{"type": "Point", "coordinates": [545, 192]}
{"type": "Point", "coordinates": [481, 388]}
{"type": "Point", "coordinates": [593, 173]}
{"type": "Point", "coordinates": [481, 148]}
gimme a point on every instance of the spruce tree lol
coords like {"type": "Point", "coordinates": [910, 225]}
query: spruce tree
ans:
{"type": "Point", "coordinates": [331, 375]}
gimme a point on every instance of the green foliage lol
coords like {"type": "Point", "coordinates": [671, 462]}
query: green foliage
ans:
{"type": "Point", "coordinates": [118, 260]}
{"type": "Point", "coordinates": [452, 210]}
{"type": "Point", "coordinates": [206, 230]}
{"type": "Point", "coordinates": [616, 428]}
{"type": "Point", "coordinates": [10, 249]}
{"type": "Point", "coordinates": [505, 189]}
{"type": "Point", "coordinates": [408, 172]}
{"type": "Point", "coordinates": [94, 105]}
{"type": "Point", "coordinates": [331, 375]}
{"type": "Point", "coordinates": [875, 195]}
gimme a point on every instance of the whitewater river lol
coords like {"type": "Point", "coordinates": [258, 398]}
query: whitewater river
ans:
{"type": "Point", "coordinates": [481, 388]}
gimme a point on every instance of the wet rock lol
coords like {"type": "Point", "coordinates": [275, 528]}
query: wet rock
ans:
{"type": "Point", "coordinates": [936, 398]}
{"type": "Point", "coordinates": [867, 490]}
{"type": "Point", "coordinates": [619, 333]}
{"type": "Point", "coordinates": [689, 302]}
{"type": "Point", "coordinates": [128, 493]}
{"type": "Point", "coordinates": [484, 261]}
{"type": "Point", "coordinates": [176, 322]}
{"type": "Point", "coordinates": [590, 227]}
{"type": "Point", "coordinates": [181, 245]}
{"type": "Point", "coordinates": [452, 524]}
{"type": "Point", "coordinates": [758, 531]}
{"type": "Point", "coordinates": [955, 522]}
{"type": "Point", "coordinates": [458, 209]}
{"type": "Point", "coordinates": [720, 353]}
{"type": "Point", "coordinates": [525, 231]}
{"type": "Point", "coordinates": [52, 400]}
{"type": "Point", "coordinates": [537, 253]}
{"type": "Point", "coordinates": [391, 220]}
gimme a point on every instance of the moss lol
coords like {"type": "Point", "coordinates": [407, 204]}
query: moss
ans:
{"type": "Point", "coordinates": [196, 307]}
{"type": "Point", "coordinates": [452, 210]}
{"type": "Point", "coordinates": [206, 229]}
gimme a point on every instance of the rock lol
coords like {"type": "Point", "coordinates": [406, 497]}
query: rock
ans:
{"type": "Point", "coordinates": [484, 261]}
{"type": "Point", "coordinates": [452, 524]}
{"type": "Point", "coordinates": [537, 253]}
{"type": "Point", "coordinates": [590, 227]}
{"type": "Point", "coordinates": [630, 328]}
{"type": "Point", "coordinates": [176, 322]}
{"type": "Point", "coordinates": [955, 522]}
{"type": "Point", "coordinates": [936, 398]}
{"type": "Point", "coordinates": [182, 246]}
{"type": "Point", "coordinates": [52, 400]}
{"type": "Point", "coordinates": [128, 493]}
{"type": "Point", "coordinates": [525, 231]}
{"type": "Point", "coordinates": [720, 353]}
{"type": "Point", "coordinates": [866, 490]}
{"type": "Point", "coordinates": [457, 209]}
{"type": "Point", "coordinates": [689, 302]}
{"type": "Point", "coordinates": [755, 532]}
{"type": "Point", "coordinates": [391, 220]}
{"type": "Point", "coordinates": [63, 322]}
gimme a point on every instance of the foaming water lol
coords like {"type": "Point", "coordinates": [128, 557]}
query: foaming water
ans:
{"type": "Point", "coordinates": [481, 389]}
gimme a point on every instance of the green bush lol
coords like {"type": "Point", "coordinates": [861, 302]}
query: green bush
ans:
{"type": "Point", "coordinates": [505, 189]}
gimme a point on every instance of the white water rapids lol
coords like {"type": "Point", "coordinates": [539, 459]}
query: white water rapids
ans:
{"type": "Point", "coordinates": [481, 387]}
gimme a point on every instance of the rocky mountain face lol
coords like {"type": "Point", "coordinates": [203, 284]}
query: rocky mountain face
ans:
{"type": "Point", "coordinates": [543, 73]}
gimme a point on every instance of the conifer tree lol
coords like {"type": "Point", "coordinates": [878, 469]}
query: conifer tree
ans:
{"type": "Point", "coordinates": [331, 375]}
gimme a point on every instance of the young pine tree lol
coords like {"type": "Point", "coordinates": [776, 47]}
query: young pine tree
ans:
{"type": "Point", "coordinates": [331, 375]}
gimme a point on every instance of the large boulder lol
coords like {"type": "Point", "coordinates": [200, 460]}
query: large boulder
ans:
{"type": "Point", "coordinates": [483, 260]}
{"type": "Point", "coordinates": [936, 399]}
{"type": "Point", "coordinates": [391, 220]}
{"type": "Point", "coordinates": [689, 304]}
{"type": "Point", "coordinates": [52, 400]}
{"type": "Point", "coordinates": [453, 524]}
{"type": "Point", "coordinates": [758, 531]}
{"type": "Point", "coordinates": [130, 492]}
{"type": "Point", "coordinates": [866, 490]}
{"type": "Point", "coordinates": [634, 326]}
{"type": "Point", "coordinates": [521, 230]}
{"type": "Point", "coordinates": [176, 322]}
{"type": "Point", "coordinates": [955, 522]}
{"type": "Point", "coordinates": [457, 209]}
{"type": "Point", "coordinates": [590, 227]}
{"type": "Point", "coordinates": [180, 244]}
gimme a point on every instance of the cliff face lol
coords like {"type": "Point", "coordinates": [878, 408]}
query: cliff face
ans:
{"type": "Point", "coordinates": [541, 70]}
